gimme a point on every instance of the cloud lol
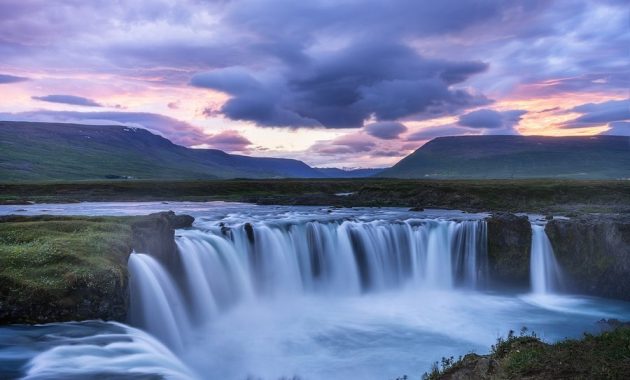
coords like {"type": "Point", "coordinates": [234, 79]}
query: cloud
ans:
{"type": "Point", "coordinates": [596, 114]}
{"type": "Point", "coordinates": [619, 128]}
{"type": "Point", "coordinates": [68, 99]}
{"type": "Point", "coordinates": [441, 130]}
{"type": "Point", "coordinates": [229, 141]}
{"type": "Point", "coordinates": [344, 87]}
{"type": "Point", "coordinates": [346, 144]}
{"type": "Point", "coordinates": [5, 79]}
{"type": "Point", "coordinates": [386, 130]}
{"type": "Point", "coordinates": [491, 121]}
{"type": "Point", "coordinates": [177, 131]}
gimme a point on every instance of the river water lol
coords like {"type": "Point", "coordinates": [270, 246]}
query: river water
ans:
{"type": "Point", "coordinates": [270, 292]}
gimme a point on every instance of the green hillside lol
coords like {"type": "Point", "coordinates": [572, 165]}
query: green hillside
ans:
{"type": "Point", "coordinates": [56, 151]}
{"type": "Point", "coordinates": [469, 157]}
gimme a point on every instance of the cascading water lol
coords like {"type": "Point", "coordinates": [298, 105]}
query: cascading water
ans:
{"type": "Point", "coordinates": [301, 292]}
{"type": "Point", "coordinates": [221, 266]}
{"type": "Point", "coordinates": [544, 269]}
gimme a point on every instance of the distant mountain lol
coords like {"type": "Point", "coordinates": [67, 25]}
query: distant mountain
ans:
{"type": "Point", "coordinates": [56, 151]}
{"type": "Point", "coordinates": [348, 173]}
{"type": "Point", "coordinates": [584, 157]}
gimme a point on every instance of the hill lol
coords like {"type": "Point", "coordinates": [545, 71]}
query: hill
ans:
{"type": "Point", "coordinates": [348, 173]}
{"type": "Point", "coordinates": [59, 151]}
{"type": "Point", "coordinates": [502, 157]}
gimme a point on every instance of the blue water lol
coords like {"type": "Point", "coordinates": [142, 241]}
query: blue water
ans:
{"type": "Point", "coordinates": [379, 335]}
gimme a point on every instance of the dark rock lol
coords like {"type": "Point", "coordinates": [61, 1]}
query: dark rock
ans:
{"type": "Point", "coordinates": [509, 242]}
{"type": "Point", "coordinates": [154, 234]}
{"type": "Point", "coordinates": [416, 209]}
{"type": "Point", "coordinates": [594, 253]}
{"type": "Point", "coordinates": [249, 229]}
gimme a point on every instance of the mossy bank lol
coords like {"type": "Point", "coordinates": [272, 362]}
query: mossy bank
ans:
{"type": "Point", "coordinates": [525, 356]}
{"type": "Point", "coordinates": [55, 269]}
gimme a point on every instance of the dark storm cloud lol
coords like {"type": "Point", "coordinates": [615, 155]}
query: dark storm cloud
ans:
{"type": "Point", "coordinates": [386, 130]}
{"type": "Point", "coordinates": [68, 99]}
{"type": "Point", "coordinates": [5, 78]}
{"type": "Point", "coordinates": [491, 119]}
{"type": "Point", "coordinates": [177, 131]}
{"type": "Point", "coordinates": [341, 89]}
{"type": "Point", "coordinates": [595, 114]}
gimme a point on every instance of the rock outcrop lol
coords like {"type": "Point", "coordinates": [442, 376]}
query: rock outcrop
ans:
{"type": "Point", "coordinates": [155, 234]}
{"type": "Point", "coordinates": [509, 242]}
{"type": "Point", "coordinates": [594, 253]}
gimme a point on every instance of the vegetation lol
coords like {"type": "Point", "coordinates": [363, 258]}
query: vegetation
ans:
{"type": "Point", "coordinates": [44, 258]}
{"type": "Point", "coordinates": [497, 195]}
{"type": "Point", "coordinates": [59, 151]}
{"type": "Point", "coordinates": [604, 356]}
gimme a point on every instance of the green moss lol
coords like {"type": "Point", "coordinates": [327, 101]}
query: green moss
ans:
{"type": "Point", "coordinates": [44, 258]}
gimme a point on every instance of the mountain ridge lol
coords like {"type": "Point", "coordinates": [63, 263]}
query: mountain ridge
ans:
{"type": "Point", "coordinates": [61, 151]}
{"type": "Point", "coordinates": [516, 156]}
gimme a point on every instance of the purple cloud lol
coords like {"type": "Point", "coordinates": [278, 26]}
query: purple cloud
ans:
{"type": "Point", "coordinates": [68, 99]}
{"type": "Point", "coordinates": [386, 130]}
{"type": "Point", "coordinates": [437, 131]}
{"type": "Point", "coordinates": [6, 78]}
{"type": "Point", "coordinates": [498, 122]}
{"type": "Point", "coordinates": [343, 88]}
{"type": "Point", "coordinates": [348, 144]}
{"type": "Point", "coordinates": [229, 141]}
{"type": "Point", "coordinates": [594, 114]}
{"type": "Point", "coordinates": [618, 128]}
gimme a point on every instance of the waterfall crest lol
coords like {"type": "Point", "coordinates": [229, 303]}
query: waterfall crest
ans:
{"type": "Point", "coordinates": [221, 266]}
{"type": "Point", "coordinates": [544, 269]}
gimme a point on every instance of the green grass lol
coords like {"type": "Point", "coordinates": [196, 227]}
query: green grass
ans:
{"type": "Point", "coordinates": [603, 356]}
{"type": "Point", "coordinates": [494, 195]}
{"type": "Point", "coordinates": [47, 258]}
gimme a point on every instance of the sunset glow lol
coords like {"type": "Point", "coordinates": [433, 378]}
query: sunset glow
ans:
{"type": "Point", "coordinates": [307, 82]}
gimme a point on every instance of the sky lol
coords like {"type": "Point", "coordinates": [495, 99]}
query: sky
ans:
{"type": "Point", "coordinates": [334, 83]}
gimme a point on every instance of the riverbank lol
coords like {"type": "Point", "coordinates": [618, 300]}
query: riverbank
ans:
{"type": "Point", "coordinates": [542, 196]}
{"type": "Point", "coordinates": [55, 269]}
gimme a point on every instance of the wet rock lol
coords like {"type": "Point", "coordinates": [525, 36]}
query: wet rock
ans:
{"type": "Point", "coordinates": [155, 234]}
{"type": "Point", "coordinates": [249, 230]}
{"type": "Point", "coordinates": [509, 241]}
{"type": "Point", "coordinates": [594, 253]}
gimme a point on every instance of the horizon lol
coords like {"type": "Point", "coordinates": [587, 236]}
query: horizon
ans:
{"type": "Point", "coordinates": [355, 85]}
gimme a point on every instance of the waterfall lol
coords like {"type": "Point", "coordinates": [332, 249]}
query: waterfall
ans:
{"type": "Point", "coordinates": [224, 265]}
{"type": "Point", "coordinates": [544, 269]}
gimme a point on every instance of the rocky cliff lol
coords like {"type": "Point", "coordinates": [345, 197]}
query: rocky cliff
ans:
{"type": "Point", "coordinates": [594, 253]}
{"type": "Point", "coordinates": [509, 242]}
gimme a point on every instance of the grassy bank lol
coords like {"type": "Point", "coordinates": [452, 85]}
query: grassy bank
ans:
{"type": "Point", "coordinates": [505, 195]}
{"type": "Point", "coordinates": [55, 269]}
{"type": "Point", "coordinates": [604, 356]}
{"type": "Point", "coordinates": [54, 261]}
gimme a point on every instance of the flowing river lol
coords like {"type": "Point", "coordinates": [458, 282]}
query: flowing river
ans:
{"type": "Point", "coordinates": [271, 292]}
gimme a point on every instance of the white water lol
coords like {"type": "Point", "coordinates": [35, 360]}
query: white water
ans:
{"type": "Point", "coordinates": [222, 266]}
{"type": "Point", "coordinates": [321, 294]}
{"type": "Point", "coordinates": [545, 274]}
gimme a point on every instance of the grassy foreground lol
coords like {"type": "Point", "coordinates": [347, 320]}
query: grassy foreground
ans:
{"type": "Point", "coordinates": [496, 195]}
{"type": "Point", "coordinates": [604, 356]}
{"type": "Point", "coordinates": [48, 258]}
